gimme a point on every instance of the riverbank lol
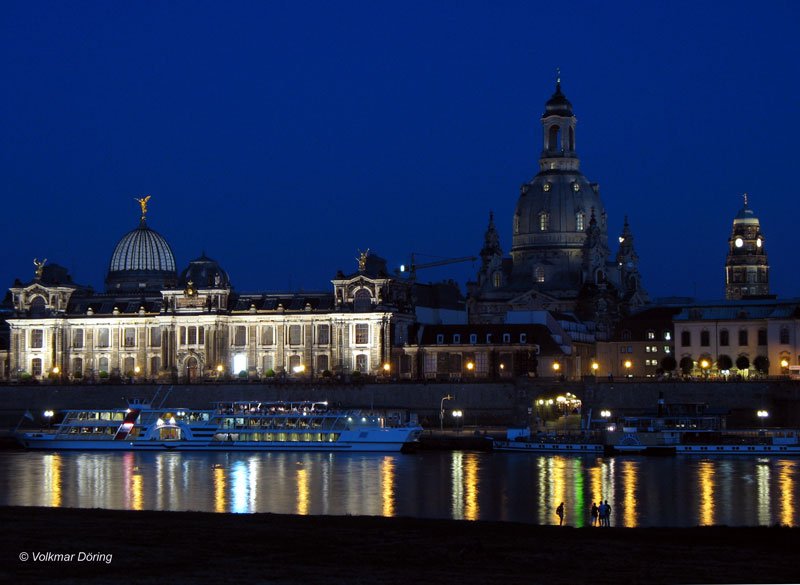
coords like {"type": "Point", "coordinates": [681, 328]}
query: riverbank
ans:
{"type": "Point", "coordinates": [193, 547]}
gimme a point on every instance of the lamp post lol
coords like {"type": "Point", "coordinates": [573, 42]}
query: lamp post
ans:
{"type": "Point", "coordinates": [606, 414]}
{"type": "Point", "coordinates": [457, 419]}
{"type": "Point", "coordinates": [48, 415]}
{"type": "Point", "coordinates": [628, 365]}
{"type": "Point", "coordinates": [595, 367]}
{"type": "Point", "coordinates": [441, 412]}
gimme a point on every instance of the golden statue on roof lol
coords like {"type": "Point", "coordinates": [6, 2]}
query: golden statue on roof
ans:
{"type": "Point", "coordinates": [143, 204]}
{"type": "Point", "coordinates": [39, 266]}
{"type": "Point", "coordinates": [362, 260]}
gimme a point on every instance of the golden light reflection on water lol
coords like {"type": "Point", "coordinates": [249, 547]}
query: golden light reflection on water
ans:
{"type": "Point", "coordinates": [219, 490]}
{"type": "Point", "coordinates": [52, 478]}
{"type": "Point", "coordinates": [387, 486]}
{"type": "Point", "coordinates": [705, 473]}
{"type": "Point", "coordinates": [762, 487]}
{"type": "Point", "coordinates": [471, 468]}
{"type": "Point", "coordinates": [303, 492]}
{"type": "Point", "coordinates": [457, 481]}
{"type": "Point", "coordinates": [629, 514]}
{"type": "Point", "coordinates": [786, 473]}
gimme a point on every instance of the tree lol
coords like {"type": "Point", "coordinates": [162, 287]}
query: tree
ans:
{"type": "Point", "coordinates": [742, 363]}
{"type": "Point", "coordinates": [761, 364]}
{"type": "Point", "coordinates": [668, 363]}
{"type": "Point", "coordinates": [687, 365]}
{"type": "Point", "coordinates": [724, 362]}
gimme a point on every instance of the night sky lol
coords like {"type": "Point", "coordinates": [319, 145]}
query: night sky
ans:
{"type": "Point", "coordinates": [282, 137]}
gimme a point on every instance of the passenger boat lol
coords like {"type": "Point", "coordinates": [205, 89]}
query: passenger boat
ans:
{"type": "Point", "coordinates": [522, 440]}
{"type": "Point", "coordinates": [228, 426]}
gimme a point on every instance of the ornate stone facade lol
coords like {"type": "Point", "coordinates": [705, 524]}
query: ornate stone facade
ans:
{"type": "Point", "coordinates": [560, 258]}
{"type": "Point", "coordinates": [746, 266]}
{"type": "Point", "coordinates": [197, 326]}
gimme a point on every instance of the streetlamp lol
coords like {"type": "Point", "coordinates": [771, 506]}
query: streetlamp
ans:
{"type": "Point", "coordinates": [441, 412]}
{"type": "Point", "coordinates": [457, 418]}
{"type": "Point", "coordinates": [704, 365]}
{"type": "Point", "coordinates": [470, 367]}
{"type": "Point", "coordinates": [784, 363]}
{"type": "Point", "coordinates": [595, 367]}
{"type": "Point", "coordinates": [606, 414]}
{"type": "Point", "coordinates": [48, 415]}
{"type": "Point", "coordinates": [628, 365]}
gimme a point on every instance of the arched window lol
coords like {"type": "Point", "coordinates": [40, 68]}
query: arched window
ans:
{"type": "Point", "coordinates": [539, 274]}
{"type": "Point", "coordinates": [77, 367]}
{"type": "Point", "coordinates": [155, 365]}
{"type": "Point", "coordinates": [544, 221]}
{"type": "Point", "coordinates": [516, 223]}
{"type": "Point", "coordinates": [362, 301]}
{"type": "Point", "coordinates": [580, 220]}
{"type": "Point", "coordinates": [554, 138]}
{"type": "Point", "coordinates": [784, 335]}
{"type": "Point", "coordinates": [37, 307]}
{"type": "Point", "coordinates": [497, 280]}
{"type": "Point", "coordinates": [705, 338]}
{"type": "Point", "coordinates": [724, 338]}
{"type": "Point", "coordinates": [102, 364]}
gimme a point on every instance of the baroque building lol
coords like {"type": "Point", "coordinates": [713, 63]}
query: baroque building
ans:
{"type": "Point", "coordinates": [154, 324]}
{"type": "Point", "coordinates": [560, 258]}
{"type": "Point", "coordinates": [746, 266]}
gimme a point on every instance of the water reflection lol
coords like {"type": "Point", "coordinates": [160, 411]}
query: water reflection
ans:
{"type": "Point", "coordinates": [642, 491]}
{"type": "Point", "coordinates": [706, 479]}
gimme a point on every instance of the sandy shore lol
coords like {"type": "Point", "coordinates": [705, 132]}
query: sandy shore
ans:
{"type": "Point", "coordinates": [194, 547]}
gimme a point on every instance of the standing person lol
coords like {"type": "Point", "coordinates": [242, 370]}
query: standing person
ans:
{"type": "Point", "coordinates": [595, 513]}
{"type": "Point", "coordinates": [560, 513]}
{"type": "Point", "coordinates": [608, 513]}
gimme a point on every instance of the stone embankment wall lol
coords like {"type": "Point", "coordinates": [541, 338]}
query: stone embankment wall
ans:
{"type": "Point", "coordinates": [483, 404]}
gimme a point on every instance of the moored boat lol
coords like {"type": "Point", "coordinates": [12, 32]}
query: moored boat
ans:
{"type": "Point", "coordinates": [227, 426]}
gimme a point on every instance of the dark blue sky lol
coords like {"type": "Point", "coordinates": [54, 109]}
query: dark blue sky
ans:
{"type": "Point", "coordinates": [282, 137]}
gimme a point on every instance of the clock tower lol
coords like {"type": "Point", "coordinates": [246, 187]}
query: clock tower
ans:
{"type": "Point", "coordinates": [746, 267]}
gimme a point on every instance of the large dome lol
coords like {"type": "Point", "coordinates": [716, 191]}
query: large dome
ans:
{"type": "Point", "coordinates": [142, 260]}
{"type": "Point", "coordinates": [204, 272]}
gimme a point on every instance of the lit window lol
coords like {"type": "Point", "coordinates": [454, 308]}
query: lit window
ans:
{"type": "Point", "coordinates": [667, 349]}
{"type": "Point", "coordinates": [651, 335]}
{"type": "Point", "coordinates": [544, 221]}
{"type": "Point", "coordinates": [667, 336]}
{"type": "Point", "coordinates": [130, 337]}
{"type": "Point", "coordinates": [497, 280]}
{"type": "Point", "coordinates": [579, 221]}
{"type": "Point", "coordinates": [539, 274]}
{"type": "Point", "coordinates": [362, 333]}
{"type": "Point", "coordinates": [37, 337]}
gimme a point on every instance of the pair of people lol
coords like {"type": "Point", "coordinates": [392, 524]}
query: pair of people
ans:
{"type": "Point", "coordinates": [601, 513]}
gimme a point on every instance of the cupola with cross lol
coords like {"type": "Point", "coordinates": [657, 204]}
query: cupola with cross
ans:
{"type": "Point", "coordinates": [746, 266]}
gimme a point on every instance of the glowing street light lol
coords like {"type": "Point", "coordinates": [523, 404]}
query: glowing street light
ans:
{"type": "Point", "coordinates": [220, 369]}
{"type": "Point", "coordinates": [457, 418]}
{"type": "Point", "coordinates": [762, 414]}
{"type": "Point", "coordinates": [299, 369]}
{"type": "Point", "coordinates": [56, 370]}
{"type": "Point", "coordinates": [387, 367]}
{"type": "Point", "coordinates": [137, 370]}
{"type": "Point", "coordinates": [784, 363]}
{"type": "Point", "coordinates": [470, 366]}
{"type": "Point", "coordinates": [441, 411]}
{"type": "Point", "coordinates": [595, 367]}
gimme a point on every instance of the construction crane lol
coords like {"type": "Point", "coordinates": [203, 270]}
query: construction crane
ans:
{"type": "Point", "coordinates": [411, 269]}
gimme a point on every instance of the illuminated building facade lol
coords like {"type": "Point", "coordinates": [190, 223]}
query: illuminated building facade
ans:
{"type": "Point", "coordinates": [152, 323]}
{"type": "Point", "coordinates": [746, 266]}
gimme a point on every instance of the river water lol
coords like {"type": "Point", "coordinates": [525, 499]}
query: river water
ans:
{"type": "Point", "coordinates": [642, 491]}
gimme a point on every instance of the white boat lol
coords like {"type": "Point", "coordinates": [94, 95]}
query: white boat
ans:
{"type": "Point", "coordinates": [228, 426]}
{"type": "Point", "coordinates": [522, 440]}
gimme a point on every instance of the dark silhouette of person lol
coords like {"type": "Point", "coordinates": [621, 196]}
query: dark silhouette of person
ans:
{"type": "Point", "coordinates": [560, 513]}
{"type": "Point", "coordinates": [595, 513]}
{"type": "Point", "coordinates": [607, 516]}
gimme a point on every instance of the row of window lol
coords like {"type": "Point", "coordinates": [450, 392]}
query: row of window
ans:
{"type": "Point", "coordinates": [193, 335]}
{"type": "Point", "coordinates": [473, 338]}
{"type": "Point", "coordinates": [544, 221]}
{"type": "Point", "coordinates": [651, 334]}
{"type": "Point", "coordinates": [725, 338]}
{"type": "Point", "coordinates": [647, 349]}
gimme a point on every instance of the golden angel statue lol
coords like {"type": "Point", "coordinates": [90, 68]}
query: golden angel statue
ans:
{"type": "Point", "coordinates": [39, 266]}
{"type": "Point", "coordinates": [143, 204]}
{"type": "Point", "coordinates": [362, 260]}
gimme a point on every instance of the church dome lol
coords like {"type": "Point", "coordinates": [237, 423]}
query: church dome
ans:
{"type": "Point", "coordinates": [203, 272]}
{"type": "Point", "coordinates": [142, 260]}
{"type": "Point", "coordinates": [558, 104]}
